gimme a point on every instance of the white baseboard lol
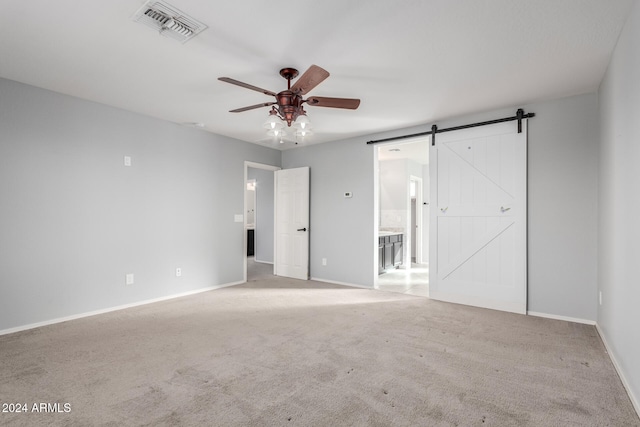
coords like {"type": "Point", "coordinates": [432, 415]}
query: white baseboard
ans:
{"type": "Point", "coordinates": [262, 262]}
{"type": "Point", "coordinates": [110, 309]}
{"type": "Point", "coordinates": [565, 318]}
{"type": "Point", "coordinates": [625, 383]}
{"type": "Point", "coordinates": [477, 301]}
{"type": "Point", "coordinates": [318, 279]}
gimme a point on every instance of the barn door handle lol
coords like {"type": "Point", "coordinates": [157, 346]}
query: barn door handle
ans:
{"type": "Point", "coordinates": [444, 210]}
{"type": "Point", "coordinates": [302, 229]}
{"type": "Point", "coordinates": [503, 209]}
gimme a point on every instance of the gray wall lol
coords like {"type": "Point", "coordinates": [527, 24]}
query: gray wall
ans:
{"type": "Point", "coordinates": [74, 220]}
{"type": "Point", "coordinates": [341, 228]}
{"type": "Point", "coordinates": [619, 228]}
{"type": "Point", "coordinates": [562, 180]}
{"type": "Point", "coordinates": [563, 207]}
{"type": "Point", "coordinates": [264, 213]}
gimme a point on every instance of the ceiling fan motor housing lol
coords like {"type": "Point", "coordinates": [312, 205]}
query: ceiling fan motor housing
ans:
{"type": "Point", "coordinates": [289, 105]}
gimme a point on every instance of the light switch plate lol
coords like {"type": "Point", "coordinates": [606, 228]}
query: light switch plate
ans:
{"type": "Point", "coordinates": [238, 218]}
{"type": "Point", "coordinates": [129, 279]}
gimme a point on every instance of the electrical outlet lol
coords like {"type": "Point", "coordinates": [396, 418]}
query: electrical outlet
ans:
{"type": "Point", "coordinates": [600, 297]}
{"type": "Point", "coordinates": [324, 261]}
{"type": "Point", "coordinates": [178, 272]}
{"type": "Point", "coordinates": [129, 279]}
{"type": "Point", "coordinates": [127, 160]}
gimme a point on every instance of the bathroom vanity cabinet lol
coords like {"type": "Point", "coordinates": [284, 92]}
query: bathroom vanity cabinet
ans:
{"type": "Point", "coordinates": [390, 254]}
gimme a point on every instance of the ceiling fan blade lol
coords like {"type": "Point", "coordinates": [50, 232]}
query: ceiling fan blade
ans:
{"type": "Point", "coordinates": [320, 101]}
{"type": "Point", "coordinates": [251, 107]}
{"type": "Point", "coordinates": [310, 79]}
{"type": "Point", "coordinates": [246, 85]}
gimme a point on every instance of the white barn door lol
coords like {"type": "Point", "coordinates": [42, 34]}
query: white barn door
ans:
{"type": "Point", "coordinates": [478, 217]}
{"type": "Point", "coordinates": [292, 223]}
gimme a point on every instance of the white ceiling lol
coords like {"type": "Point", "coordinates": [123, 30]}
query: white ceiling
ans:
{"type": "Point", "coordinates": [411, 62]}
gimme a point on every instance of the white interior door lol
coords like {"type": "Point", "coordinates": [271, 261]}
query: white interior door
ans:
{"type": "Point", "coordinates": [479, 195]}
{"type": "Point", "coordinates": [292, 223]}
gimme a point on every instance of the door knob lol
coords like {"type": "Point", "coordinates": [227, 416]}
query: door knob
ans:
{"type": "Point", "coordinates": [302, 229]}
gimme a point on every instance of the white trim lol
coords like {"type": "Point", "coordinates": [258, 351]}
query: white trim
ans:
{"type": "Point", "coordinates": [317, 279]}
{"type": "Point", "coordinates": [262, 262]}
{"type": "Point", "coordinates": [261, 166]}
{"type": "Point", "coordinates": [110, 309]}
{"type": "Point", "coordinates": [565, 318]}
{"type": "Point", "coordinates": [476, 301]}
{"type": "Point", "coordinates": [634, 400]}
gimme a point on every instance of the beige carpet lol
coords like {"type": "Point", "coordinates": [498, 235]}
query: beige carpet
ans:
{"type": "Point", "coordinates": [290, 353]}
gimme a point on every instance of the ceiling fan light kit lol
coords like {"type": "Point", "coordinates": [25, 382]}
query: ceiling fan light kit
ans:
{"type": "Point", "coordinates": [302, 122]}
{"type": "Point", "coordinates": [274, 121]}
{"type": "Point", "coordinates": [288, 103]}
{"type": "Point", "coordinates": [277, 133]}
{"type": "Point", "coordinates": [303, 133]}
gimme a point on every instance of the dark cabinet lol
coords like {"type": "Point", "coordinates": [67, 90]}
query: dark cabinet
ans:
{"type": "Point", "coordinates": [396, 242]}
{"type": "Point", "coordinates": [250, 242]}
{"type": "Point", "coordinates": [390, 254]}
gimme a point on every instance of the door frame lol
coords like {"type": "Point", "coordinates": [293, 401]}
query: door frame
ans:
{"type": "Point", "coordinates": [247, 165]}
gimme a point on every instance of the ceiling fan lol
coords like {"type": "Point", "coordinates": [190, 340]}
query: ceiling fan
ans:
{"type": "Point", "coordinates": [289, 102]}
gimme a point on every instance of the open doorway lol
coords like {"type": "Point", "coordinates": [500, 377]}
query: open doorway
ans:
{"type": "Point", "coordinates": [259, 220]}
{"type": "Point", "coordinates": [402, 209]}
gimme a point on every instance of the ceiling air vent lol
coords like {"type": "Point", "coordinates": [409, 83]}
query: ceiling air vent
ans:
{"type": "Point", "coordinates": [168, 21]}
